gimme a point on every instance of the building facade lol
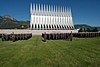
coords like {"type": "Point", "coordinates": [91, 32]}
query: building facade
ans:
{"type": "Point", "coordinates": [46, 17]}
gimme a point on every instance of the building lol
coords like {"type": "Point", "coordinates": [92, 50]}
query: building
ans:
{"type": "Point", "coordinates": [46, 17]}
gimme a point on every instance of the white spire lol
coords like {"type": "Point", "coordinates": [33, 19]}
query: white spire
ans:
{"type": "Point", "coordinates": [58, 8]}
{"type": "Point", "coordinates": [67, 9]}
{"type": "Point", "coordinates": [54, 8]}
{"type": "Point", "coordinates": [44, 7]}
{"type": "Point", "coordinates": [31, 8]}
{"type": "Point", "coordinates": [63, 9]}
{"type": "Point", "coordinates": [70, 12]}
{"type": "Point", "coordinates": [34, 7]}
{"type": "Point", "coordinates": [39, 7]}
{"type": "Point", "coordinates": [49, 7]}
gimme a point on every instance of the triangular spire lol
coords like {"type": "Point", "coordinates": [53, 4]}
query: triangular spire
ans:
{"type": "Point", "coordinates": [58, 8]}
{"type": "Point", "coordinates": [36, 7]}
{"type": "Point", "coordinates": [54, 8]}
{"type": "Point", "coordinates": [63, 9]}
{"type": "Point", "coordinates": [70, 13]}
{"type": "Point", "coordinates": [39, 7]}
{"type": "Point", "coordinates": [49, 8]}
{"type": "Point", "coordinates": [44, 7]}
{"type": "Point", "coordinates": [31, 8]}
{"type": "Point", "coordinates": [67, 9]}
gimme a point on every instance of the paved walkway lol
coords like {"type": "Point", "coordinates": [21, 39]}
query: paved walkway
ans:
{"type": "Point", "coordinates": [35, 32]}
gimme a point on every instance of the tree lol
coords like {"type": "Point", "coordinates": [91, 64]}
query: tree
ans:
{"type": "Point", "coordinates": [95, 29]}
{"type": "Point", "coordinates": [88, 30]}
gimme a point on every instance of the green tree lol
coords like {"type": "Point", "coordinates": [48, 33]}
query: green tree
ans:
{"type": "Point", "coordinates": [88, 30]}
{"type": "Point", "coordinates": [95, 29]}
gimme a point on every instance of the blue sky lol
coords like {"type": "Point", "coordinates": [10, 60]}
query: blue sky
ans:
{"type": "Point", "coordinates": [84, 11]}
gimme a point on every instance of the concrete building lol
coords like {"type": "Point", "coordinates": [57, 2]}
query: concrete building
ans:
{"type": "Point", "coordinates": [48, 17]}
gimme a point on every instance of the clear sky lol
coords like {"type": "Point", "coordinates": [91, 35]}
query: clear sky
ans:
{"type": "Point", "coordinates": [84, 11]}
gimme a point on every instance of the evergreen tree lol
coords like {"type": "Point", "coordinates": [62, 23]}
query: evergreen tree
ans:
{"type": "Point", "coordinates": [88, 30]}
{"type": "Point", "coordinates": [95, 29]}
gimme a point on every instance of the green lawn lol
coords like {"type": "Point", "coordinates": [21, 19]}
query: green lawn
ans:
{"type": "Point", "coordinates": [81, 52]}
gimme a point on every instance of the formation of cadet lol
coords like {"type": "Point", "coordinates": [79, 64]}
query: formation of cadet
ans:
{"type": "Point", "coordinates": [49, 36]}
{"type": "Point", "coordinates": [56, 36]}
{"type": "Point", "coordinates": [15, 37]}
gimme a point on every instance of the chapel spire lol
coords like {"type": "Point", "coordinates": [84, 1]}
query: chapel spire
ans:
{"type": "Point", "coordinates": [31, 8]}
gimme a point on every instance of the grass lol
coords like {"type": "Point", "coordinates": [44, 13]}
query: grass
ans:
{"type": "Point", "coordinates": [81, 52]}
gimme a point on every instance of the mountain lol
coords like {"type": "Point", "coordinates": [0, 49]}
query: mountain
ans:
{"type": "Point", "coordinates": [8, 22]}
{"type": "Point", "coordinates": [9, 17]}
{"type": "Point", "coordinates": [79, 26]}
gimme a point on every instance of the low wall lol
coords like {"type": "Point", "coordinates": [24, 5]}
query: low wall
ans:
{"type": "Point", "coordinates": [35, 32]}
